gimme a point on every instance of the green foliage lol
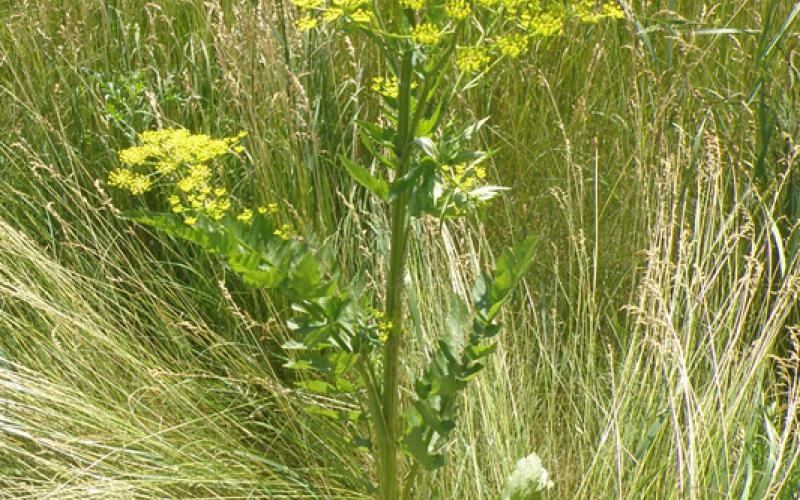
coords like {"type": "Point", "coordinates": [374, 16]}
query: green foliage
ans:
{"type": "Point", "coordinates": [457, 359]}
{"type": "Point", "coordinates": [253, 250]}
{"type": "Point", "coordinates": [124, 98]}
{"type": "Point", "coordinates": [332, 329]}
{"type": "Point", "coordinates": [445, 179]}
{"type": "Point", "coordinates": [362, 175]}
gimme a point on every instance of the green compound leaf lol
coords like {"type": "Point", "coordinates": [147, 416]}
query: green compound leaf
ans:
{"type": "Point", "coordinates": [253, 251]}
{"type": "Point", "coordinates": [430, 419]}
{"type": "Point", "coordinates": [449, 176]}
{"type": "Point", "coordinates": [306, 276]}
{"type": "Point", "coordinates": [325, 319]}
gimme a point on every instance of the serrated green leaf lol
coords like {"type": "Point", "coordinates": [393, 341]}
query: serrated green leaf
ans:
{"type": "Point", "coordinates": [295, 345]}
{"type": "Point", "coordinates": [300, 364]}
{"type": "Point", "coordinates": [491, 292]}
{"type": "Point", "coordinates": [318, 410]}
{"type": "Point", "coordinates": [470, 372]}
{"type": "Point", "coordinates": [363, 176]}
{"type": "Point", "coordinates": [481, 350]}
{"type": "Point", "coordinates": [432, 419]}
{"type": "Point", "coordinates": [254, 252]}
{"type": "Point", "coordinates": [305, 276]}
{"type": "Point", "coordinates": [414, 443]}
{"type": "Point", "coordinates": [315, 386]}
{"type": "Point", "coordinates": [456, 325]}
{"type": "Point", "coordinates": [344, 385]}
{"type": "Point", "coordinates": [426, 145]}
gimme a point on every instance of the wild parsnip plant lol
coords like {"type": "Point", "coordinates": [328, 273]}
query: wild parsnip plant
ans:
{"type": "Point", "coordinates": [650, 352]}
{"type": "Point", "coordinates": [349, 340]}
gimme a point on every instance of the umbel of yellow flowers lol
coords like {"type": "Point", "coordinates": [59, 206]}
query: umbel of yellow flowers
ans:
{"type": "Point", "coordinates": [515, 22]}
{"type": "Point", "coordinates": [186, 166]}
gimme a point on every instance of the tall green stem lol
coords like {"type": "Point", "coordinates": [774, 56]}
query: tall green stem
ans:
{"type": "Point", "coordinates": [388, 469]}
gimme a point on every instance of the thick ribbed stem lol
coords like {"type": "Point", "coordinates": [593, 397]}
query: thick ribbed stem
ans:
{"type": "Point", "coordinates": [388, 470]}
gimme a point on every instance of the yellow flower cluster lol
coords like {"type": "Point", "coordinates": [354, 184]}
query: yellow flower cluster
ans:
{"type": "Point", "coordinates": [387, 87]}
{"type": "Point", "coordinates": [384, 325]}
{"type": "Point", "coordinates": [412, 4]}
{"type": "Point", "coordinates": [471, 59]}
{"type": "Point", "coordinates": [131, 181]}
{"type": "Point", "coordinates": [513, 45]}
{"type": "Point", "coordinates": [546, 23]}
{"type": "Point", "coordinates": [308, 4]}
{"type": "Point", "coordinates": [285, 232]}
{"type": "Point", "coordinates": [172, 147]}
{"type": "Point", "coordinates": [612, 11]}
{"type": "Point", "coordinates": [246, 216]}
{"type": "Point", "coordinates": [514, 24]}
{"type": "Point", "coordinates": [426, 34]}
{"type": "Point", "coordinates": [306, 23]}
{"type": "Point", "coordinates": [586, 11]}
{"type": "Point", "coordinates": [332, 14]}
{"type": "Point", "coordinates": [350, 5]}
{"type": "Point", "coordinates": [183, 162]}
{"type": "Point", "coordinates": [196, 178]}
{"type": "Point", "coordinates": [461, 177]}
{"type": "Point", "coordinates": [457, 9]}
{"type": "Point", "coordinates": [523, 20]}
{"type": "Point", "coordinates": [354, 10]}
{"type": "Point", "coordinates": [361, 16]}
{"type": "Point", "coordinates": [271, 208]}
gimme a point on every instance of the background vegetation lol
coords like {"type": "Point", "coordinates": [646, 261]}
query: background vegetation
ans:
{"type": "Point", "coordinates": [653, 352]}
